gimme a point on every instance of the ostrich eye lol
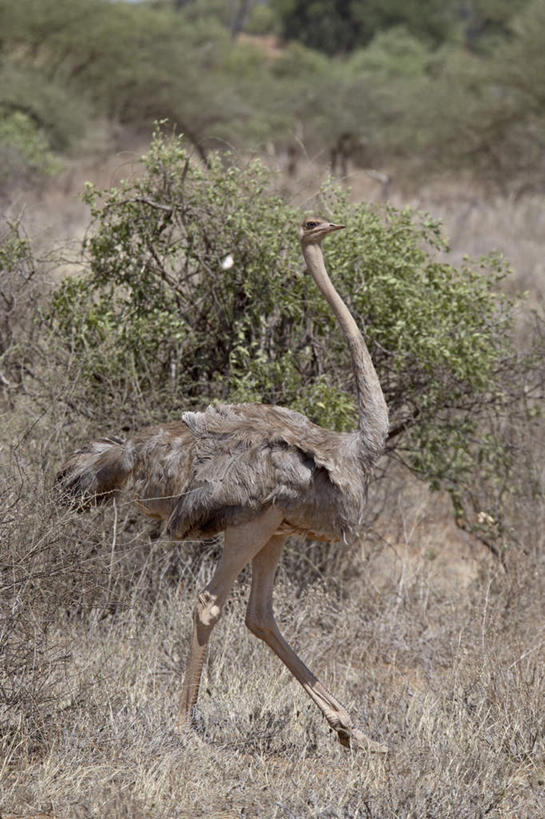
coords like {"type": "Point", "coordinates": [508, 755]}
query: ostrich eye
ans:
{"type": "Point", "coordinates": [310, 225]}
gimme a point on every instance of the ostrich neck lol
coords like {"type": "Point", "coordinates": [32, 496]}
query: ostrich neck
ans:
{"type": "Point", "coordinates": [372, 409]}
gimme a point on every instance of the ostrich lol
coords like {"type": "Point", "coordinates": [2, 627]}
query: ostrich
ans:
{"type": "Point", "coordinates": [258, 473]}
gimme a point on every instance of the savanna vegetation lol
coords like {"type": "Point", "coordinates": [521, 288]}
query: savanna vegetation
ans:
{"type": "Point", "coordinates": [423, 87]}
{"type": "Point", "coordinates": [184, 286]}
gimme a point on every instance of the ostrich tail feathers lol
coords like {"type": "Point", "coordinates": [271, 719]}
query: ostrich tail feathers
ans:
{"type": "Point", "coordinates": [96, 472]}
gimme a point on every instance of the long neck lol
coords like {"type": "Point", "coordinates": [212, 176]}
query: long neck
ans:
{"type": "Point", "coordinates": [372, 409]}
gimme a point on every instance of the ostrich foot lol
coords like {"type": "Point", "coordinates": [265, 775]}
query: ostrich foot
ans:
{"type": "Point", "coordinates": [354, 738]}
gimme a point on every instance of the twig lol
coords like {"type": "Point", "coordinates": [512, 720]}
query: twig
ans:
{"type": "Point", "coordinates": [112, 550]}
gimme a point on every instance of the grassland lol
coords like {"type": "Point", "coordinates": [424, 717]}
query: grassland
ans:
{"type": "Point", "coordinates": [436, 648]}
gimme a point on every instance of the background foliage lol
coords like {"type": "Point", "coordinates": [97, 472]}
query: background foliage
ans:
{"type": "Point", "coordinates": [371, 74]}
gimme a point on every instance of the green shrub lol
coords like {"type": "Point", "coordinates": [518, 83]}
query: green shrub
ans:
{"type": "Point", "coordinates": [24, 150]}
{"type": "Point", "coordinates": [195, 293]}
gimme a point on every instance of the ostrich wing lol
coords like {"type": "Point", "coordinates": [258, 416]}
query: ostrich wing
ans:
{"type": "Point", "coordinates": [249, 456]}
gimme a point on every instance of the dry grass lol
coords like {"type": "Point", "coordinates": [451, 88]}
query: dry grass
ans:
{"type": "Point", "coordinates": [435, 650]}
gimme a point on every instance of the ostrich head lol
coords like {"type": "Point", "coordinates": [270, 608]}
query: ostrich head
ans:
{"type": "Point", "coordinates": [313, 229]}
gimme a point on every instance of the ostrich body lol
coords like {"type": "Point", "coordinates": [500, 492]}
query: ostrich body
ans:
{"type": "Point", "coordinates": [258, 473]}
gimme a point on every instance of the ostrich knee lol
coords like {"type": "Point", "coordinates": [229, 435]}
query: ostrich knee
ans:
{"type": "Point", "coordinates": [206, 614]}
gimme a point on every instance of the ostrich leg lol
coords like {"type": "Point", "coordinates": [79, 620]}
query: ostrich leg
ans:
{"type": "Point", "coordinates": [240, 546]}
{"type": "Point", "coordinates": [260, 620]}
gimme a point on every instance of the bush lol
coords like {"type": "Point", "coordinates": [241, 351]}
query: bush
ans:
{"type": "Point", "coordinates": [194, 294]}
{"type": "Point", "coordinates": [19, 296]}
{"type": "Point", "coordinates": [24, 151]}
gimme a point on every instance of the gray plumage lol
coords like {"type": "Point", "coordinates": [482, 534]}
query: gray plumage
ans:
{"type": "Point", "coordinates": [225, 465]}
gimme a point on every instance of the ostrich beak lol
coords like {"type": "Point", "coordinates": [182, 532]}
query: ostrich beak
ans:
{"type": "Point", "coordinates": [332, 226]}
